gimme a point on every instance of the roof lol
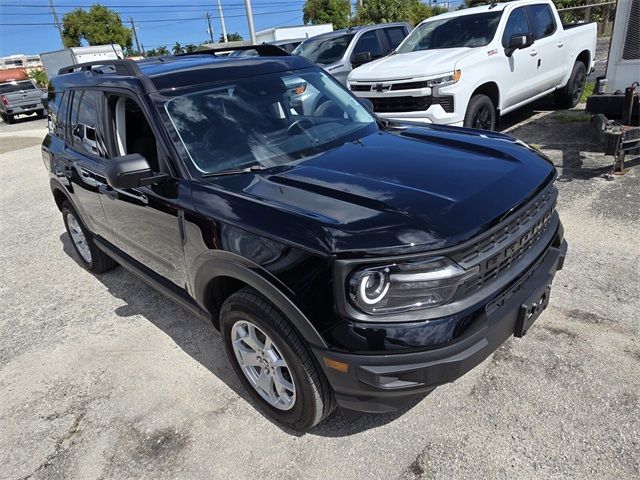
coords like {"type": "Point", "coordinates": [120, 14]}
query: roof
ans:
{"type": "Point", "coordinates": [360, 28]}
{"type": "Point", "coordinates": [170, 72]}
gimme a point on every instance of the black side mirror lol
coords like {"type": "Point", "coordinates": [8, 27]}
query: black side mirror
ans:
{"type": "Point", "coordinates": [131, 171]}
{"type": "Point", "coordinates": [517, 42]}
{"type": "Point", "coordinates": [361, 58]}
{"type": "Point", "coordinates": [368, 104]}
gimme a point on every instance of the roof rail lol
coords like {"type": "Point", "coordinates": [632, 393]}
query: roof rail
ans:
{"type": "Point", "coordinates": [264, 50]}
{"type": "Point", "coordinates": [122, 67]}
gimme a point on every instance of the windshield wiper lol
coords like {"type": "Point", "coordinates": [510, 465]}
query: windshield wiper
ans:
{"type": "Point", "coordinates": [235, 171]}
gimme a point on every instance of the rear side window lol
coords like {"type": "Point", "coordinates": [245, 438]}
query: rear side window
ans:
{"type": "Point", "coordinates": [57, 113]}
{"type": "Point", "coordinates": [84, 126]}
{"type": "Point", "coordinates": [542, 22]}
{"type": "Point", "coordinates": [16, 86]}
{"type": "Point", "coordinates": [369, 42]}
{"type": "Point", "coordinates": [395, 36]}
{"type": "Point", "coordinates": [516, 25]}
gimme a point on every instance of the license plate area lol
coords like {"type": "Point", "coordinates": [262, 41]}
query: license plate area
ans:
{"type": "Point", "coordinates": [531, 309]}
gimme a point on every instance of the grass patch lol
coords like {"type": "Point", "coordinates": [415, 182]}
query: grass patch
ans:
{"type": "Point", "coordinates": [571, 117]}
{"type": "Point", "coordinates": [588, 91]}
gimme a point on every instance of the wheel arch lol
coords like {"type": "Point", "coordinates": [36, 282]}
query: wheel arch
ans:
{"type": "Point", "coordinates": [59, 193]}
{"type": "Point", "coordinates": [491, 90]}
{"type": "Point", "coordinates": [585, 58]}
{"type": "Point", "coordinates": [220, 277]}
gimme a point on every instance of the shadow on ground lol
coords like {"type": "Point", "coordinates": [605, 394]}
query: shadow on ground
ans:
{"type": "Point", "coordinates": [202, 342]}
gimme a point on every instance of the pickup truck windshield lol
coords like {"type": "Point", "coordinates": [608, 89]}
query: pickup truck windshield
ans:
{"type": "Point", "coordinates": [16, 86]}
{"type": "Point", "coordinates": [324, 50]}
{"type": "Point", "coordinates": [268, 120]}
{"type": "Point", "coordinates": [470, 31]}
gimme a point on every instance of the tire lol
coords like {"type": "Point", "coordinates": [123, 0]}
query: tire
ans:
{"type": "Point", "coordinates": [481, 113]}
{"type": "Point", "coordinates": [41, 113]}
{"type": "Point", "coordinates": [10, 119]}
{"type": "Point", "coordinates": [312, 397]}
{"type": "Point", "coordinates": [91, 257]}
{"type": "Point", "coordinates": [569, 96]}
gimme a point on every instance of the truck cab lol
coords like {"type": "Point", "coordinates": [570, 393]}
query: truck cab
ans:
{"type": "Point", "coordinates": [467, 67]}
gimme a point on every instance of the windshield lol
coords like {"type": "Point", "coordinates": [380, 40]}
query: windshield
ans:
{"type": "Point", "coordinates": [16, 86]}
{"type": "Point", "coordinates": [324, 50]}
{"type": "Point", "coordinates": [266, 121]}
{"type": "Point", "coordinates": [470, 31]}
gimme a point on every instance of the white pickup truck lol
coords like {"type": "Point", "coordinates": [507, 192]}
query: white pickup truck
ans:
{"type": "Point", "coordinates": [468, 67]}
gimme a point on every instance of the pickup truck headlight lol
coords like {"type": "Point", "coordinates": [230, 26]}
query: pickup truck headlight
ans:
{"type": "Point", "coordinates": [446, 80]}
{"type": "Point", "coordinates": [401, 287]}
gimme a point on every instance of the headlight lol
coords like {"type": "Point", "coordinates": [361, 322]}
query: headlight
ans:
{"type": "Point", "coordinates": [402, 287]}
{"type": "Point", "coordinates": [446, 80]}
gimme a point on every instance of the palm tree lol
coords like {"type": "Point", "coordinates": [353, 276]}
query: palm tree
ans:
{"type": "Point", "coordinates": [177, 49]}
{"type": "Point", "coordinates": [162, 50]}
{"type": "Point", "coordinates": [190, 47]}
{"type": "Point", "coordinates": [40, 78]}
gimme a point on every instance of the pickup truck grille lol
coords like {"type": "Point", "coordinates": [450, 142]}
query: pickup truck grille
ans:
{"type": "Point", "coordinates": [494, 253]}
{"type": "Point", "coordinates": [400, 104]}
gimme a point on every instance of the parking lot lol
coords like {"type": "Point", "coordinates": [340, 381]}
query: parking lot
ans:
{"type": "Point", "coordinates": [102, 377]}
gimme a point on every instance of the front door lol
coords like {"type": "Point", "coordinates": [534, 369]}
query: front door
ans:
{"type": "Point", "coordinates": [551, 58]}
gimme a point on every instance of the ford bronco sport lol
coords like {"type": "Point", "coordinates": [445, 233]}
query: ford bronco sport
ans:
{"type": "Point", "coordinates": [346, 260]}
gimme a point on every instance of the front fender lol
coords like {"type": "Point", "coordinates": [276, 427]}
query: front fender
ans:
{"type": "Point", "coordinates": [226, 264]}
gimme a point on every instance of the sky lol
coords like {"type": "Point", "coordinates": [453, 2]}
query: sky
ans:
{"type": "Point", "coordinates": [158, 22]}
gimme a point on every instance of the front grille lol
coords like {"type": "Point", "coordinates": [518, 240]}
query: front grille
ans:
{"type": "Point", "coordinates": [360, 88]}
{"type": "Point", "coordinates": [497, 251]}
{"type": "Point", "coordinates": [409, 85]}
{"type": "Point", "coordinates": [400, 104]}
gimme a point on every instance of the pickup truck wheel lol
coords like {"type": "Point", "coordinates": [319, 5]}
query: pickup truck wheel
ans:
{"type": "Point", "coordinates": [569, 96]}
{"type": "Point", "coordinates": [10, 119]}
{"type": "Point", "coordinates": [91, 257]}
{"type": "Point", "coordinates": [273, 363]}
{"type": "Point", "coordinates": [481, 113]}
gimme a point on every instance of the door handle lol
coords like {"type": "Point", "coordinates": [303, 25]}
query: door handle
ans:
{"type": "Point", "coordinates": [108, 191]}
{"type": "Point", "coordinates": [560, 44]}
{"type": "Point", "coordinates": [533, 52]}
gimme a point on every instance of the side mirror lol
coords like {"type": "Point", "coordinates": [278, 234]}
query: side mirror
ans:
{"type": "Point", "coordinates": [361, 59]}
{"type": "Point", "coordinates": [368, 104]}
{"type": "Point", "coordinates": [131, 171]}
{"type": "Point", "coordinates": [517, 42]}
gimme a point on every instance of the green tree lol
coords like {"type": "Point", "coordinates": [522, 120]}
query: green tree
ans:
{"type": "Point", "coordinates": [96, 26]}
{"type": "Point", "coordinates": [162, 51]}
{"type": "Point", "coordinates": [177, 49]}
{"type": "Point", "coordinates": [327, 11]}
{"type": "Point", "coordinates": [231, 37]}
{"type": "Point", "coordinates": [151, 53]}
{"type": "Point", "coordinates": [419, 11]}
{"type": "Point", "coordinates": [40, 77]}
{"type": "Point", "coordinates": [190, 47]}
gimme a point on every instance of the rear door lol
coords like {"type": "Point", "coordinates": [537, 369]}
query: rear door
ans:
{"type": "Point", "coordinates": [549, 45]}
{"type": "Point", "coordinates": [83, 162]}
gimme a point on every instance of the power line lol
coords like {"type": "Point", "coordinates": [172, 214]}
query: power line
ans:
{"type": "Point", "coordinates": [155, 20]}
{"type": "Point", "coordinates": [179, 7]}
{"type": "Point", "coordinates": [194, 9]}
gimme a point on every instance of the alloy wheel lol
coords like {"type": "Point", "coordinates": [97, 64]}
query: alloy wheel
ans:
{"type": "Point", "coordinates": [263, 365]}
{"type": "Point", "coordinates": [78, 238]}
{"type": "Point", "coordinates": [483, 118]}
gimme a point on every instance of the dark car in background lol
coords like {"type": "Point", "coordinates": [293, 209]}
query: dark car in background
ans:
{"type": "Point", "coordinates": [346, 260]}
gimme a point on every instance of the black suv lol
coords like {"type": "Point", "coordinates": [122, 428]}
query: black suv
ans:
{"type": "Point", "coordinates": [346, 260]}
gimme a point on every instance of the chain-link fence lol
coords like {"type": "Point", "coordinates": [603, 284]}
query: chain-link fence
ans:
{"type": "Point", "coordinates": [603, 12]}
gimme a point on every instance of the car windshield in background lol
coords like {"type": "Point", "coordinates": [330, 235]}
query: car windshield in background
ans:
{"type": "Point", "coordinates": [266, 121]}
{"type": "Point", "coordinates": [16, 86]}
{"type": "Point", "coordinates": [324, 50]}
{"type": "Point", "coordinates": [470, 31]}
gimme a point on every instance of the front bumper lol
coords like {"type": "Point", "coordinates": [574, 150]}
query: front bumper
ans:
{"type": "Point", "coordinates": [383, 383]}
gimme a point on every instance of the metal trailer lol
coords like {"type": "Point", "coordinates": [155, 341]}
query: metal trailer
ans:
{"type": "Point", "coordinates": [615, 102]}
{"type": "Point", "coordinates": [54, 61]}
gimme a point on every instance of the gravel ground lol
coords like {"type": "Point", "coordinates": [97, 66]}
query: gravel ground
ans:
{"type": "Point", "coordinates": [102, 377]}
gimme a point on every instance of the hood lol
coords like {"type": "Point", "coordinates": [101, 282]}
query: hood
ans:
{"type": "Point", "coordinates": [413, 189]}
{"type": "Point", "coordinates": [409, 65]}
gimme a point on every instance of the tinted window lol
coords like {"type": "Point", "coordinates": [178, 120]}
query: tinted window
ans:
{"type": "Point", "coordinates": [369, 42]}
{"type": "Point", "coordinates": [84, 122]}
{"type": "Point", "coordinates": [324, 50]}
{"type": "Point", "coordinates": [516, 25]}
{"type": "Point", "coordinates": [395, 36]}
{"type": "Point", "coordinates": [474, 30]}
{"type": "Point", "coordinates": [57, 113]}
{"type": "Point", "coordinates": [542, 22]}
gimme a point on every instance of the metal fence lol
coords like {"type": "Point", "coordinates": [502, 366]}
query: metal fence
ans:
{"type": "Point", "coordinates": [602, 12]}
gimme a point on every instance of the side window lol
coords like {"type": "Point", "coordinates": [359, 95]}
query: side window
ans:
{"type": "Point", "coordinates": [131, 131]}
{"type": "Point", "coordinates": [516, 25]}
{"type": "Point", "coordinates": [84, 123]}
{"type": "Point", "coordinates": [369, 42]}
{"type": "Point", "coordinates": [395, 35]}
{"type": "Point", "coordinates": [542, 22]}
{"type": "Point", "coordinates": [57, 113]}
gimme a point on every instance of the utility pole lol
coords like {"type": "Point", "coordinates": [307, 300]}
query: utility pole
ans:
{"type": "Point", "coordinates": [252, 30]}
{"type": "Point", "coordinates": [210, 30]}
{"type": "Point", "coordinates": [224, 27]}
{"type": "Point", "coordinates": [56, 21]}
{"type": "Point", "coordinates": [135, 36]}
